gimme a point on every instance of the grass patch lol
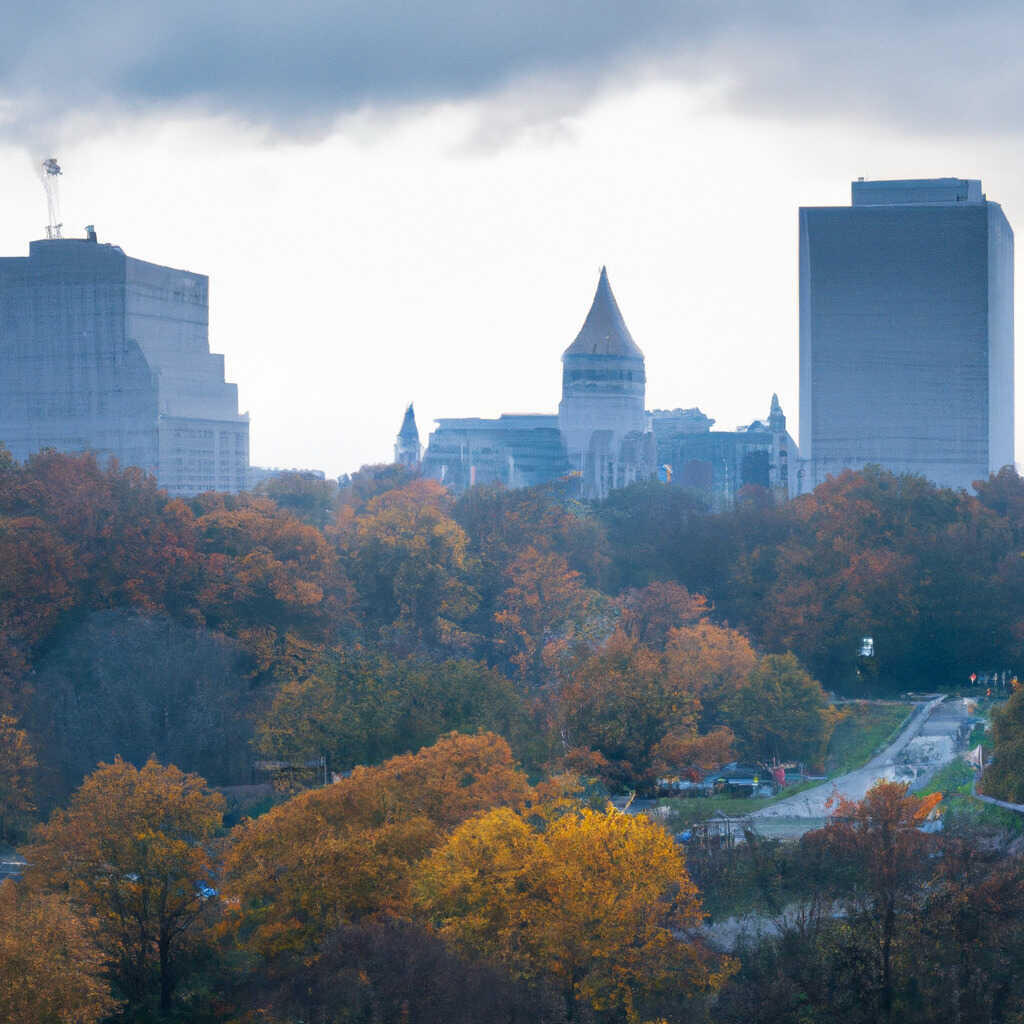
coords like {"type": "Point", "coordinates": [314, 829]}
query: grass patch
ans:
{"type": "Point", "coordinates": [865, 730]}
{"type": "Point", "coordinates": [684, 811]}
{"type": "Point", "coordinates": [954, 779]}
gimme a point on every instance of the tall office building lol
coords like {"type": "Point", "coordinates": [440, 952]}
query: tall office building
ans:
{"type": "Point", "coordinates": [906, 333]}
{"type": "Point", "coordinates": [103, 353]}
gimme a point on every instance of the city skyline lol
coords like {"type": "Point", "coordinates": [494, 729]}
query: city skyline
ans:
{"type": "Point", "coordinates": [435, 239]}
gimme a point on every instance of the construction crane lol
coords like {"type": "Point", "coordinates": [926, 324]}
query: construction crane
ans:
{"type": "Point", "coordinates": [51, 172]}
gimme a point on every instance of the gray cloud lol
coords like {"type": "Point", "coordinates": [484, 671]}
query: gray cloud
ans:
{"type": "Point", "coordinates": [295, 66]}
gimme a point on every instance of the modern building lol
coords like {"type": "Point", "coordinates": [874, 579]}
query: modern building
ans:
{"type": "Point", "coordinates": [906, 333]}
{"type": "Point", "coordinates": [602, 437]}
{"type": "Point", "coordinates": [103, 353]}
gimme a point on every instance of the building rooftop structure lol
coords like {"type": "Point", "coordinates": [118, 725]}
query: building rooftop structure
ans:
{"type": "Point", "coordinates": [604, 332]}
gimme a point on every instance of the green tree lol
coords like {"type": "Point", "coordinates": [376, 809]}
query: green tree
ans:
{"type": "Point", "coordinates": [781, 712]}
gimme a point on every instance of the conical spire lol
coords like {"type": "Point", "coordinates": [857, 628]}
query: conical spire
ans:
{"type": "Point", "coordinates": [409, 431]}
{"type": "Point", "coordinates": [604, 332]}
{"type": "Point", "coordinates": [775, 404]}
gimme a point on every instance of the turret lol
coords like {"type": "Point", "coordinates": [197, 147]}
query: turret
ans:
{"type": "Point", "coordinates": [407, 445]}
{"type": "Point", "coordinates": [603, 388]}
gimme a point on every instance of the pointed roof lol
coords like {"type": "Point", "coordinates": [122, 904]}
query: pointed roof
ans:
{"type": "Point", "coordinates": [409, 431]}
{"type": "Point", "coordinates": [604, 332]}
{"type": "Point", "coordinates": [775, 404]}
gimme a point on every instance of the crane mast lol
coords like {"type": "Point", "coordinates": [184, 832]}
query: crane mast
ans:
{"type": "Point", "coordinates": [51, 172]}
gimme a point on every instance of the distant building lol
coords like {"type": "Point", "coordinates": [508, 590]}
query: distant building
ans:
{"type": "Point", "coordinates": [516, 451]}
{"type": "Point", "coordinates": [602, 419]}
{"type": "Point", "coordinates": [906, 333]}
{"type": "Point", "coordinates": [407, 444]}
{"type": "Point", "coordinates": [716, 465]}
{"type": "Point", "coordinates": [103, 353]}
{"type": "Point", "coordinates": [602, 436]}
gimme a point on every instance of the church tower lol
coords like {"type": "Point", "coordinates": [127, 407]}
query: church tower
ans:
{"type": "Point", "coordinates": [603, 392]}
{"type": "Point", "coordinates": [407, 444]}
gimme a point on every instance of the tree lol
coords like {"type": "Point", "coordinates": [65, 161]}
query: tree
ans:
{"type": "Point", "coordinates": [50, 967]}
{"type": "Point", "coordinates": [621, 701]}
{"type": "Point", "coordinates": [879, 837]}
{"type": "Point", "coordinates": [1004, 777]}
{"type": "Point", "coordinates": [329, 857]}
{"type": "Point", "coordinates": [391, 970]}
{"type": "Point", "coordinates": [542, 613]}
{"type": "Point", "coordinates": [17, 762]}
{"type": "Point", "coordinates": [598, 901]}
{"type": "Point", "coordinates": [712, 662]}
{"type": "Point", "coordinates": [406, 556]}
{"type": "Point", "coordinates": [781, 713]}
{"type": "Point", "coordinates": [651, 613]}
{"type": "Point", "coordinates": [133, 850]}
{"type": "Point", "coordinates": [359, 707]}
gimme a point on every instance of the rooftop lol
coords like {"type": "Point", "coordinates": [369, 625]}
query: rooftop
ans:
{"type": "Point", "coordinates": [604, 332]}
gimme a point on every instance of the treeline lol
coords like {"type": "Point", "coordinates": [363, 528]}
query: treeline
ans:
{"type": "Point", "coordinates": [629, 639]}
{"type": "Point", "coordinates": [354, 625]}
{"type": "Point", "coordinates": [445, 888]}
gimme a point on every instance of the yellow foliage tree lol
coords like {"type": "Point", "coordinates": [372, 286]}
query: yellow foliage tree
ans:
{"type": "Point", "coordinates": [132, 850]}
{"type": "Point", "coordinates": [330, 856]}
{"type": "Point", "coordinates": [50, 968]}
{"type": "Point", "coordinates": [598, 901]}
{"type": "Point", "coordinates": [16, 764]}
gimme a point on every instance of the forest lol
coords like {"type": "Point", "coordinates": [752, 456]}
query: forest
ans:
{"type": "Point", "coordinates": [474, 677]}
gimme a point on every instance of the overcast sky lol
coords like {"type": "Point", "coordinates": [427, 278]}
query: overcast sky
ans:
{"type": "Point", "coordinates": [400, 201]}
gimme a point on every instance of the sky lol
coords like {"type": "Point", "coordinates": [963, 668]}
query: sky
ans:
{"type": "Point", "coordinates": [401, 202]}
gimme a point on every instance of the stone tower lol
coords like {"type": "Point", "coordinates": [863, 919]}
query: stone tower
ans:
{"type": "Point", "coordinates": [407, 444]}
{"type": "Point", "coordinates": [603, 391]}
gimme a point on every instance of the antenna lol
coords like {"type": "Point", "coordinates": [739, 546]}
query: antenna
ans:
{"type": "Point", "coordinates": [52, 171]}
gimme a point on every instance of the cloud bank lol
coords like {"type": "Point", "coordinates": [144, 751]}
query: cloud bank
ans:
{"type": "Point", "coordinates": [295, 67]}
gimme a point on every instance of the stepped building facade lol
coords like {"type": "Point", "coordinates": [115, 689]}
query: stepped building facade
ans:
{"type": "Point", "coordinates": [107, 354]}
{"type": "Point", "coordinates": [603, 437]}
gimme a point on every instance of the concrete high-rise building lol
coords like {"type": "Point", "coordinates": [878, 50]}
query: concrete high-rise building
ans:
{"type": "Point", "coordinates": [906, 333]}
{"type": "Point", "coordinates": [104, 353]}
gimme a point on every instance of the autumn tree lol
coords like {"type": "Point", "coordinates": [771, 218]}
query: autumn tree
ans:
{"type": "Point", "coordinates": [406, 556]}
{"type": "Point", "coordinates": [650, 613]}
{"type": "Point", "coordinates": [17, 763]}
{"type": "Point", "coordinates": [133, 850]}
{"type": "Point", "coordinates": [622, 700]}
{"type": "Point", "coordinates": [713, 662]}
{"type": "Point", "coordinates": [50, 967]}
{"type": "Point", "coordinates": [879, 837]}
{"type": "Point", "coordinates": [598, 901]}
{"type": "Point", "coordinates": [781, 712]}
{"type": "Point", "coordinates": [544, 612]}
{"type": "Point", "coordinates": [331, 856]}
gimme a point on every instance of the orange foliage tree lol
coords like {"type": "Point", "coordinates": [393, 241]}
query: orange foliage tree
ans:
{"type": "Point", "coordinates": [50, 967]}
{"type": "Point", "coordinates": [133, 851]}
{"type": "Point", "coordinates": [542, 613]}
{"type": "Point", "coordinates": [879, 838]}
{"type": "Point", "coordinates": [17, 762]}
{"type": "Point", "coordinates": [330, 856]}
{"type": "Point", "coordinates": [407, 556]}
{"type": "Point", "coordinates": [601, 902]}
